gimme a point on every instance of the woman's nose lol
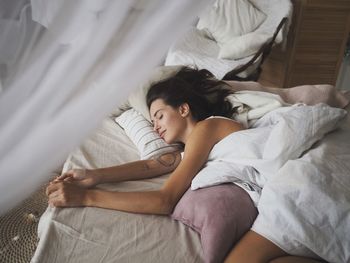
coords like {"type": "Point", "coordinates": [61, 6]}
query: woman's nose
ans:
{"type": "Point", "coordinates": [155, 126]}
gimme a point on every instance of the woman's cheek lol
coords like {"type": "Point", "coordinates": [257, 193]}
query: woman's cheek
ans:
{"type": "Point", "coordinates": [166, 138]}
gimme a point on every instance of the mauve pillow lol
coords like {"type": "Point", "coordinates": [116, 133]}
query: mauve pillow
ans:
{"type": "Point", "coordinates": [220, 214]}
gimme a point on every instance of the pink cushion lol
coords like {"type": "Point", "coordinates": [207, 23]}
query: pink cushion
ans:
{"type": "Point", "coordinates": [220, 214]}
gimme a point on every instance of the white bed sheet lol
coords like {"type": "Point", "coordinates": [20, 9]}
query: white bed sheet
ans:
{"type": "Point", "coordinates": [102, 235]}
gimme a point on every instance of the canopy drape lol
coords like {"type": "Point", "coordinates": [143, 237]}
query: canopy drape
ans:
{"type": "Point", "coordinates": [64, 65]}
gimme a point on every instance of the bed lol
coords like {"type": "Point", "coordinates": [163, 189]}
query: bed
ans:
{"type": "Point", "coordinates": [102, 235]}
{"type": "Point", "coordinates": [79, 235]}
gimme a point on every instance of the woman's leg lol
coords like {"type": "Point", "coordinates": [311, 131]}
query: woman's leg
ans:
{"type": "Point", "coordinates": [254, 248]}
{"type": "Point", "coordinates": [291, 259]}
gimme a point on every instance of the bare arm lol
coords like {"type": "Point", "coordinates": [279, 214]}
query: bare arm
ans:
{"type": "Point", "coordinates": [205, 135]}
{"type": "Point", "coordinates": [163, 200]}
{"type": "Point", "coordinates": [137, 170]}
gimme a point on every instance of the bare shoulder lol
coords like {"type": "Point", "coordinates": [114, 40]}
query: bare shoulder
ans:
{"type": "Point", "coordinates": [221, 125]}
{"type": "Point", "coordinates": [216, 129]}
{"type": "Point", "coordinates": [222, 122]}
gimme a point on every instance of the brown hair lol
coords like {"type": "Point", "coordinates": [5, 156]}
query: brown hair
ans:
{"type": "Point", "coordinates": [205, 95]}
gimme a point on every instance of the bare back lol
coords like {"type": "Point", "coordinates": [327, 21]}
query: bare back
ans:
{"type": "Point", "coordinates": [198, 146]}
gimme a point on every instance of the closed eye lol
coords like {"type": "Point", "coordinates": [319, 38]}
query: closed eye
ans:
{"type": "Point", "coordinates": [158, 115]}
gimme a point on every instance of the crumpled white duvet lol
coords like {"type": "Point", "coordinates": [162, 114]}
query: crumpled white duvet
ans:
{"type": "Point", "coordinates": [304, 205]}
{"type": "Point", "coordinates": [255, 155]}
{"type": "Point", "coordinates": [252, 105]}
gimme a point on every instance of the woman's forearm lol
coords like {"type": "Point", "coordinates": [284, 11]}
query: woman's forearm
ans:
{"type": "Point", "coordinates": [143, 169]}
{"type": "Point", "coordinates": [152, 202]}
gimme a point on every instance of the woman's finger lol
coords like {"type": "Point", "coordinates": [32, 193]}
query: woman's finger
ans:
{"type": "Point", "coordinates": [48, 189]}
{"type": "Point", "coordinates": [53, 187]}
{"type": "Point", "coordinates": [64, 176]}
{"type": "Point", "coordinates": [54, 201]}
{"type": "Point", "coordinates": [68, 179]}
{"type": "Point", "coordinates": [57, 200]}
{"type": "Point", "coordinates": [65, 194]}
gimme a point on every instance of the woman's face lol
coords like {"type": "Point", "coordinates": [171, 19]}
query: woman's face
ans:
{"type": "Point", "coordinates": [167, 121]}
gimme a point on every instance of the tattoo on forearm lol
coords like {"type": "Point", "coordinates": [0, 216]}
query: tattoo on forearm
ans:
{"type": "Point", "coordinates": [168, 161]}
{"type": "Point", "coordinates": [146, 166]}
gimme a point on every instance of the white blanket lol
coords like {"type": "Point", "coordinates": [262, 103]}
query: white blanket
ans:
{"type": "Point", "coordinates": [305, 200]}
{"type": "Point", "coordinates": [251, 105]}
{"type": "Point", "coordinates": [255, 155]}
{"type": "Point", "coordinates": [305, 207]}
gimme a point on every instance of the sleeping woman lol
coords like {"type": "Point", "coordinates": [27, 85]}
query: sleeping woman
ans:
{"type": "Point", "coordinates": [189, 108]}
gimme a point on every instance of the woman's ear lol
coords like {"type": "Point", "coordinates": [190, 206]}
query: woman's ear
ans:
{"type": "Point", "coordinates": [184, 109]}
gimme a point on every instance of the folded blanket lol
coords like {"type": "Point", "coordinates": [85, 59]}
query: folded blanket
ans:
{"type": "Point", "coordinates": [308, 94]}
{"type": "Point", "coordinates": [252, 157]}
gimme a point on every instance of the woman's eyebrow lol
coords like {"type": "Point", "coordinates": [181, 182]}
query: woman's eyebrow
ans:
{"type": "Point", "coordinates": [154, 115]}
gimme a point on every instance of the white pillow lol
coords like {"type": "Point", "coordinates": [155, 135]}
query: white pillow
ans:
{"type": "Point", "coordinates": [141, 133]}
{"type": "Point", "coordinates": [242, 46]}
{"type": "Point", "coordinates": [227, 19]}
{"type": "Point", "coordinates": [137, 99]}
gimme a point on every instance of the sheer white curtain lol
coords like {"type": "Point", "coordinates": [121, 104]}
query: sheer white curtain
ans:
{"type": "Point", "coordinates": [60, 75]}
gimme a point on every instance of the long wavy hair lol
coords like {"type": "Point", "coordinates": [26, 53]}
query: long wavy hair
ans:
{"type": "Point", "coordinates": [205, 95]}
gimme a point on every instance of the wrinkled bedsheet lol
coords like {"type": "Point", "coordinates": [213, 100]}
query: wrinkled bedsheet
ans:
{"type": "Point", "coordinates": [101, 235]}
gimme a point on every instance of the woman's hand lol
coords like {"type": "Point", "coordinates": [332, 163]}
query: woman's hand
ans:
{"type": "Point", "coordinates": [80, 177]}
{"type": "Point", "coordinates": [66, 194]}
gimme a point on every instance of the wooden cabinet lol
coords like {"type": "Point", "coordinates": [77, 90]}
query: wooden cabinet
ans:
{"type": "Point", "coordinates": [315, 45]}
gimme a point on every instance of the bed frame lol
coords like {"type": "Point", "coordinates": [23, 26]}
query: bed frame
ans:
{"type": "Point", "coordinates": [254, 65]}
